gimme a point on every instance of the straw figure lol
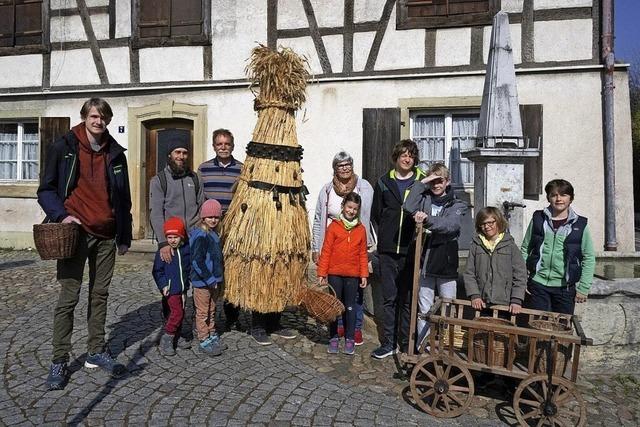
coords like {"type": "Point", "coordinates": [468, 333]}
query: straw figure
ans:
{"type": "Point", "coordinates": [266, 231]}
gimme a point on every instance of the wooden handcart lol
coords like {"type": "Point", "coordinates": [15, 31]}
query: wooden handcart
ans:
{"type": "Point", "coordinates": [542, 349]}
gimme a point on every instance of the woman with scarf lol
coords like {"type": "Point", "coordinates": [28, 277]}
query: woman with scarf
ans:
{"type": "Point", "coordinates": [432, 202]}
{"type": "Point", "coordinates": [328, 209]}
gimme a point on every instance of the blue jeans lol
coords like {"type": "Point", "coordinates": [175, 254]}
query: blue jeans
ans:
{"type": "Point", "coordinates": [346, 289]}
{"type": "Point", "coordinates": [359, 310]}
{"type": "Point", "coordinates": [561, 299]}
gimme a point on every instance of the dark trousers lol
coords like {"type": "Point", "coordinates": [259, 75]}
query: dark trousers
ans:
{"type": "Point", "coordinates": [231, 313]}
{"type": "Point", "coordinates": [346, 289]}
{"type": "Point", "coordinates": [175, 315]}
{"type": "Point", "coordinates": [560, 299]}
{"type": "Point", "coordinates": [395, 279]}
{"type": "Point", "coordinates": [265, 322]}
{"type": "Point", "coordinates": [101, 254]}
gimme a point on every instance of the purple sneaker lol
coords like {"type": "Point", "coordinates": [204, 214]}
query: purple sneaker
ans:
{"type": "Point", "coordinates": [349, 347]}
{"type": "Point", "coordinates": [333, 346]}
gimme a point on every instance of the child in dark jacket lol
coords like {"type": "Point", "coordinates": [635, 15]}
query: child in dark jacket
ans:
{"type": "Point", "coordinates": [172, 280]}
{"type": "Point", "coordinates": [495, 273]}
{"type": "Point", "coordinates": [344, 260]}
{"type": "Point", "coordinates": [207, 275]}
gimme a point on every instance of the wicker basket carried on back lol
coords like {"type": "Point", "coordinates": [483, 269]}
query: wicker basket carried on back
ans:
{"type": "Point", "coordinates": [322, 306]}
{"type": "Point", "coordinates": [498, 356]}
{"type": "Point", "coordinates": [55, 240]}
{"type": "Point", "coordinates": [543, 348]}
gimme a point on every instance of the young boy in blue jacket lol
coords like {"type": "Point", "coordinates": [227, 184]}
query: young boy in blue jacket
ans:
{"type": "Point", "coordinates": [172, 280]}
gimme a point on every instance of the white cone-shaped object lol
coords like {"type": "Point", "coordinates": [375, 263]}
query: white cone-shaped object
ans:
{"type": "Point", "coordinates": [500, 123]}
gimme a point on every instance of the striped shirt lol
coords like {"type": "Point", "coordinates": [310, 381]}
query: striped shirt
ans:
{"type": "Point", "coordinates": [217, 180]}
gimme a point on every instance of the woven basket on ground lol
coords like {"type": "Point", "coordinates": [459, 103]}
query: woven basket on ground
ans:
{"type": "Point", "coordinates": [322, 306]}
{"type": "Point", "coordinates": [543, 348]}
{"type": "Point", "coordinates": [498, 356]}
{"type": "Point", "coordinates": [56, 240]}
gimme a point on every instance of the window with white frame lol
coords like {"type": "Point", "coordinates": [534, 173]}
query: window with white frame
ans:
{"type": "Point", "coordinates": [441, 136]}
{"type": "Point", "coordinates": [19, 142]}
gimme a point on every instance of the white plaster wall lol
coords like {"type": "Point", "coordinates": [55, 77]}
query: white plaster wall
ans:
{"type": "Point", "coordinates": [556, 4]}
{"type": "Point", "coordinates": [123, 18]}
{"type": "Point", "coordinates": [66, 29]}
{"type": "Point", "coordinates": [400, 49]}
{"type": "Point", "coordinates": [329, 13]}
{"type": "Point", "coordinates": [516, 42]}
{"type": "Point", "coordinates": [116, 62]}
{"type": "Point", "coordinates": [334, 47]}
{"type": "Point", "coordinates": [512, 6]}
{"type": "Point", "coordinates": [361, 47]}
{"type": "Point", "coordinates": [453, 46]}
{"type": "Point", "coordinates": [563, 40]}
{"type": "Point", "coordinates": [304, 46]}
{"type": "Point", "coordinates": [166, 64]}
{"type": "Point", "coordinates": [20, 71]}
{"type": "Point", "coordinates": [100, 24]}
{"type": "Point", "coordinates": [291, 15]}
{"type": "Point", "coordinates": [367, 10]}
{"type": "Point", "coordinates": [73, 67]}
{"type": "Point", "coordinates": [237, 27]}
{"type": "Point", "coordinates": [19, 214]}
{"type": "Point", "coordinates": [332, 121]}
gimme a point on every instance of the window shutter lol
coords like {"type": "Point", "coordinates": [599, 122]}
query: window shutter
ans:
{"type": "Point", "coordinates": [424, 8]}
{"type": "Point", "coordinates": [531, 116]}
{"type": "Point", "coordinates": [28, 16]}
{"type": "Point", "coordinates": [381, 131]}
{"type": "Point", "coordinates": [154, 18]}
{"type": "Point", "coordinates": [457, 7]}
{"type": "Point", "coordinates": [6, 23]}
{"type": "Point", "coordinates": [186, 17]}
{"type": "Point", "coordinates": [51, 128]}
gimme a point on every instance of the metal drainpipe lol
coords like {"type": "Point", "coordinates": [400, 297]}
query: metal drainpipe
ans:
{"type": "Point", "coordinates": [611, 243]}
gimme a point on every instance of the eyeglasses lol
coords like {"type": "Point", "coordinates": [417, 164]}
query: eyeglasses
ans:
{"type": "Point", "coordinates": [488, 223]}
{"type": "Point", "coordinates": [344, 166]}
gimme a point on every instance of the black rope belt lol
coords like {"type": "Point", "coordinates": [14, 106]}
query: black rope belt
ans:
{"type": "Point", "coordinates": [274, 152]}
{"type": "Point", "coordinates": [296, 194]}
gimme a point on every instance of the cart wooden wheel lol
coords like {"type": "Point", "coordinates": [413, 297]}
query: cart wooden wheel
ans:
{"type": "Point", "coordinates": [538, 403]}
{"type": "Point", "coordinates": [441, 387]}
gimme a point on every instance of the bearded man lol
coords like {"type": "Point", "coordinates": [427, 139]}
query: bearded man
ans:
{"type": "Point", "coordinates": [182, 195]}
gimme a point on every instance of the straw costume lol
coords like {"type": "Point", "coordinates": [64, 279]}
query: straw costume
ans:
{"type": "Point", "coordinates": [266, 230]}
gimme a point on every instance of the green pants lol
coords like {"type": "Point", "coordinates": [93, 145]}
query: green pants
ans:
{"type": "Point", "coordinates": [101, 254]}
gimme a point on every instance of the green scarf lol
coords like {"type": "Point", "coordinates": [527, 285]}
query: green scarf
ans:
{"type": "Point", "coordinates": [349, 225]}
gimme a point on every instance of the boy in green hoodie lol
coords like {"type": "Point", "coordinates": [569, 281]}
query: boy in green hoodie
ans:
{"type": "Point", "coordinates": [559, 253]}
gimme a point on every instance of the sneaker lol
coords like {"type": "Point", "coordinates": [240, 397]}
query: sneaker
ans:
{"type": "Point", "coordinates": [286, 333]}
{"type": "Point", "coordinates": [105, 361]}
{"type": "Point", "coordinates": [216, 338]}
{"type": "Point", "coordinates": [357, 337]}
{"type": "Point", "coordinates": [58, 375]}
{"type": "Point", "coordinates": [210, 347]}
{"type": "Point", "coordinates": [382, 352]}
{"type": "Point", "coordinates": [261, 338]}
{"type": "Point", "coordinates": [333, 346]}
{"type": "Point", "coordinates": [184, 343]}
{"type": "Point", "coordinates": [349, 347]}
{"type": "Point", "coordinates": [166, 345]}
{"type": "Point", "coordinates": [340, 331]}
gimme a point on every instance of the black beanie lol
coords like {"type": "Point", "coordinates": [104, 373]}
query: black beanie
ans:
{"type": "Point", "coordinates": [176, 143]}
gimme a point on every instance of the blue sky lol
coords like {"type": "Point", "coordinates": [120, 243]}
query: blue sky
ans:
{"type": "Point", "coordinates": [627, 31]}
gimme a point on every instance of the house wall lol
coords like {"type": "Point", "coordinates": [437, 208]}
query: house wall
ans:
{"type": "Point", "coordinates": [360, 60]}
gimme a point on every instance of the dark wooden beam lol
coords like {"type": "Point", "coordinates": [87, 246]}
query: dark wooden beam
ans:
{"type": "Point", "coordinates": [563, 13]}
{"type": "Point", "coordinates": [73, 11]}
{"type": "Point", "coordinates": [134, 65]}
{"type": "Point", "coordinates": [377, 40]}
{"type": "Point", "coordinates": [430, 48]}
{"type": "Point", "coordinates": [347, 38]}
{"type": "Point", "coordinates": [112, 19]}
{"type": "Point", "coordinates": [272, 24]}
{"type": "Point", "coordinates": [207, 61]}
{"type": "Point", "coordinates": [527, 35]}
{"type": "Point", "coordinates": [315, 36]}
{"type": "Point", "coordinates": [477, 45]}
{"type": "Point", "coordinates": [91, 37]}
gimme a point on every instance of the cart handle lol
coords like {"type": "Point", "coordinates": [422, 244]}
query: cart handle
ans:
{"type": "Point", "coordinates": [575, 319]}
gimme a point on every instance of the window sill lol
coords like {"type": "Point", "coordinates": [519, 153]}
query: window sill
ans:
{"type": "Point", "coordinates": [150, 42]}
{"type": "Point", "coordinates": [15, 190]}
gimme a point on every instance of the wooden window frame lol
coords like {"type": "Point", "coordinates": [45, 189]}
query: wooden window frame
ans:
{"type": "Point", "coordinates": [404, 22]}
{"type": "Point", "coordinates": [138, 42]}
{"type": "Point", "coordinates": [42, 47]}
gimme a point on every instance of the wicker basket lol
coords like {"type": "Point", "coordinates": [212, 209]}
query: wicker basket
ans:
{"type": "Point", "coordinates": [459, 336]}
{"type": "Point", "coordinates": [322, 306]}
{"type": "Point", "coordinates": [56, 240]}
{"type": "Point", "coordinates": [498, 357]}
{"type": "Point", "coordinates": [543, 348]}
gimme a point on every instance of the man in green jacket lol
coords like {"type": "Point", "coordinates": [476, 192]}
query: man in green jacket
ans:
{"type": "Point", "coordinates": [559, 253]}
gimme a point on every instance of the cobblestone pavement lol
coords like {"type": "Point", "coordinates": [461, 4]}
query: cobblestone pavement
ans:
{"type": "Point", "coordinates": [290, 383]}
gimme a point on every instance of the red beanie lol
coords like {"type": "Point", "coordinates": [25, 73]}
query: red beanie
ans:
{"type": "Point", "coordinates": [174, 227]}
{"type": "Point", "coordinates": [211, 208]}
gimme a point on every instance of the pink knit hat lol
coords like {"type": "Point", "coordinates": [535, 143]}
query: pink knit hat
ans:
{"type": "Point", "coordinates": [211, 208]}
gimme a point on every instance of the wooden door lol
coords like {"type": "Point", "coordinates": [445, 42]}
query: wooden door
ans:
{"type": "Point", "coordinates": [158, 134]}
